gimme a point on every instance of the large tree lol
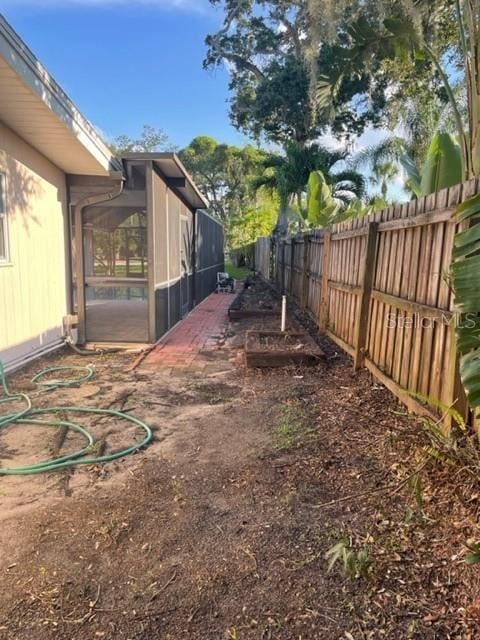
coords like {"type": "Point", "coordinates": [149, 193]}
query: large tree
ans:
{"type": "Point", "coordinates": [427, 49]}
{"type": "Point", "coordinates": [151, 139]}
{"type": "Point", "coordinates": [272, 53]}
{"type": "Point", "coordinates": [224, 173]}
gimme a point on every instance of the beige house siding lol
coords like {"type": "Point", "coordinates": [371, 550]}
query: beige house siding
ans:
{"type": "Point", "coordinates": [33, 288]}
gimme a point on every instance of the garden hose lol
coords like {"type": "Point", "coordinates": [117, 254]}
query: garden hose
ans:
{"type": "Point", "coordinates": [50, 385]}
{"type": "Point", "coordinates": [28, 414]}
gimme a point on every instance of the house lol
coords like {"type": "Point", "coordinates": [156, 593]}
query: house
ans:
{"type": "Point", "coordinates": [119, 248]}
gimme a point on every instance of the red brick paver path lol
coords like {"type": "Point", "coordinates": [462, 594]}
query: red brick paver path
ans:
{"type": "Point", "coordinates": [199, 331]}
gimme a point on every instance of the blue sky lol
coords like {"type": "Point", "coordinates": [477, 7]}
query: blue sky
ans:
{"type": "Point", "coordinates": [126, 63]}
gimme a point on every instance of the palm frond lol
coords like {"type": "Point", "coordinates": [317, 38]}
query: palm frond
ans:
{"type": "Point", "coordinates": [388, 149]}
{"type": "Point", "coordinates": [268, 181]}
{"type": "Point", "coordinates": [350, 180]}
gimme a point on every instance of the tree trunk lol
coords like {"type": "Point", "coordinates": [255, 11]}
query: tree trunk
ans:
{"type": "Point", "coordinates": [472, 72]}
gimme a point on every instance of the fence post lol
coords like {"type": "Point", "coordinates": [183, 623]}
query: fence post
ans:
{"type": "Point", "coordinates": [455, 395]}
{"type": "Point", "coordinates": [292, 265]}
{"type": "Point", "coordinates": [323, 310]}
{"type": "Point", "coordinates": [283, 241]}
{"type": "Point", "coordinates": [306, 270]}
{"type": "Point", "coordinates": [272, 253]}
{"type": "Point", "coordinates": [367, 277]}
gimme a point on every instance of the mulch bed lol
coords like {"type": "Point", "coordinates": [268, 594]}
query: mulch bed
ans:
{"type": "Point", "coordinates": [280, 349]}
{"type": "Point", "coordinates": [258, 300]}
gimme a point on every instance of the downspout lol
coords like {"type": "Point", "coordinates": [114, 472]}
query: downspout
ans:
{"type": "Point", "coordinates": [194, 260]}
{"type": "Point", "coordinates": [68, 249]}
{"type": "Point", "coordinates": [78, 208]}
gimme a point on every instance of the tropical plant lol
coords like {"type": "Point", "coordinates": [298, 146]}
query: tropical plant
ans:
{"type": "Point", "coordinates": [441, 168]}
{"type": "Point", "coordinates": [443, 165]}
{"type": "Point", "coordinates": [465, 279]}
{"type": "Point", "coordinates": [383, 159]}
{"type": "Point", "coordinates": [325, 208]}
{"type": "Point", "coordinates": [409, 33]}
{"type": "Point", "coordinates": [289, 174]}
{"type": "Point", "coordinates": [322, 206]}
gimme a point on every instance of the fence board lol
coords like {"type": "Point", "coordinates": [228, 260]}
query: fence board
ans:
{"type": "Point", "coordinates": [388, 303]}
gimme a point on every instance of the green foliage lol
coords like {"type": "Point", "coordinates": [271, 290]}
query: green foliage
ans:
{"type": "Point", "coordinates": [454, 446]}
{"type": "Point", "coordinates": [414, 179]}
{"type": "Point", "coordinates": [256, 220]}
{"type": "Point", "coordinates": [238, 273]}
{"type": "Point", "coordinates": [420, 107]}
{"type": "Point", "coordinates": [271, 49]}
{"type": "Point", "coordinates": [474, 556]}
{"type": "Point", "coordinates": [354, 563]}
{"type": "Point", "coordinates": [326, 208]}
{"type": "Point", "coordinates": [454, 39]}
{"type": "Point", "coordinates": [409, 43]}
{"type": "Point", "coordinates": [224, 174]}
{"type": "Point", "coordinates": [288, 175]}
{"type": "Point", "coordinates": [443, 166]}
{"type": "Point", "coordinates": [465, 280]}
{"type": "Point", "coordinates": [322, 207]}
{"type": "Point", "coordinates": [443, 409]}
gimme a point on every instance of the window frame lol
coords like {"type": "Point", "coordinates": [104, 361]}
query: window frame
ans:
{"type": "Point", "coordinates": [4, 260]}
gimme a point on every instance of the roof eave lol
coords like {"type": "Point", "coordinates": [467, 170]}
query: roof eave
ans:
{"type": "Point", "coordinates": [33, 74]}
{"type": "Point", "coordinates": [198, 201]}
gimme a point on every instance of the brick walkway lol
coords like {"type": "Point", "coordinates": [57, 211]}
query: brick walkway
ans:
{"type": "Point", "coordinates": [199, 331]}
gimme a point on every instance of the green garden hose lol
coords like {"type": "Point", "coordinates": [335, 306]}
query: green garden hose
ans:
{"type": "Point", "coordinates": [71, 382]}
{"type": "Point", "coordinates": [28, 413]}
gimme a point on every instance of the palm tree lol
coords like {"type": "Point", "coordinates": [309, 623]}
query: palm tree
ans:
{"type": "Point", "coordinates": [383, 160]}
{"type": "Point", "coordinates": [288, 175]}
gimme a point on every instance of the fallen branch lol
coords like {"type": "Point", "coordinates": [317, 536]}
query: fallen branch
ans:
{"type": "Point", "coordinates": [88, 615]}
{"type": "Point", "coordinates": [169, 582]}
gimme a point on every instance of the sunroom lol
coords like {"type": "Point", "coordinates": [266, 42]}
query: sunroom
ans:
{"type": "Point", "coordinates": [144, 253]}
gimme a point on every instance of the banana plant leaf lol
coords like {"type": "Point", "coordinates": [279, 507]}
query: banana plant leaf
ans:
{"type": "Point", "coordinates": [414, 179]}
{"type": "Point", "coordinates": [322, 207]}
{"type": "Point", "coordinates": [443, 166]}
{"type": "Point", "coordinates": [466, 284]}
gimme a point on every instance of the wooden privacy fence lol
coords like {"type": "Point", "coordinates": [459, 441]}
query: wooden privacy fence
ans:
{"type": "Point", "coordinates": [379, 287]}
{"type": "Point", "coordinates": [263, 257]}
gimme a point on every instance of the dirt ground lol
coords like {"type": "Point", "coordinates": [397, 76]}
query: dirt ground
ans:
{"type": "Point", "coordinates": [220, 528]}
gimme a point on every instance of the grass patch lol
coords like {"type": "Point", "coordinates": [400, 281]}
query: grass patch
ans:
{"type": "Point", "coordinates": [290, 429]}
{"type": "Point", "coordinates": [286, 434]}
{"type": "Point", "coordinates": [239, 273]}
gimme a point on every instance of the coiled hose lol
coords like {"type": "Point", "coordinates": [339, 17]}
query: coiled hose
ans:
{"type": "Point", "coordinates": [28, 413]}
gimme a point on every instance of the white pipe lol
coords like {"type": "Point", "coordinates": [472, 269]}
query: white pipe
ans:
{"type": "Point", "coordinates": [284, 312]}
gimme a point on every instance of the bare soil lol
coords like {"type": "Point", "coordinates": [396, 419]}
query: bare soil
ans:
{"type": "Point", "coordinates": [258, 297]}
{"type": "Point", "coordinates": [220, 528]}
